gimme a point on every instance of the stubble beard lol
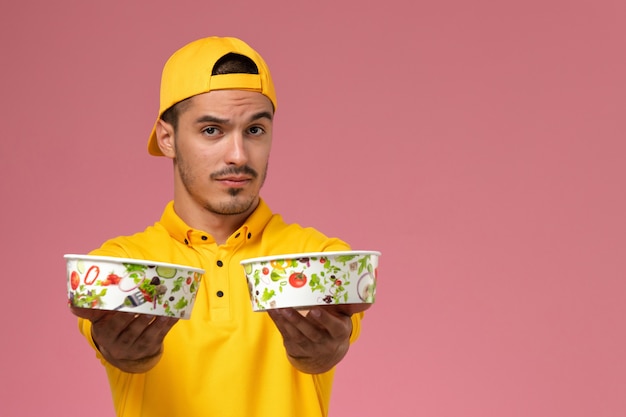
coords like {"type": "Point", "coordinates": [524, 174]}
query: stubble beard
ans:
{"type": "Point", "coordinates": [232, 207]}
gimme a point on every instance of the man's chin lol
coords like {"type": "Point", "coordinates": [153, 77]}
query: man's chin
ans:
{"type": "Point", "coordinates": [234, 207]}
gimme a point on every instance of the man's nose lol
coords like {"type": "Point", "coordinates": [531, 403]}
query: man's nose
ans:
{"type": "Point", "coordinates": [236, 153]}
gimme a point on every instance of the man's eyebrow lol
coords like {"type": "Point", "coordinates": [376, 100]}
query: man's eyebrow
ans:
{"type": "Point", "coordinates": [207, 118]}
{"type": "Point", "coordinates": [262, 115]}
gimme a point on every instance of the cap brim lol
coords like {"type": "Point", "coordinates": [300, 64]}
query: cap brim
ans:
{"type": "Point", "coordinates": [153, 146]}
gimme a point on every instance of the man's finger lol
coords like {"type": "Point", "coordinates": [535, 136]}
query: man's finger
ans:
{"type": "Point", "coordinates": [90, 314]}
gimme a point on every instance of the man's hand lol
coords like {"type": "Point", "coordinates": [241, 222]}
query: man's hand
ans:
{"type": "Point", "coordinates": [317, 341]}
{"type": "Point", "coordinates": [130, 342]}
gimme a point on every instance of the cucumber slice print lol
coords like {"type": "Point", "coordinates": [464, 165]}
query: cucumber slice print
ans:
{"type": "Point", "coordinates": [80, 266]}
{"type": "Point", "coordinates": [166, 271]}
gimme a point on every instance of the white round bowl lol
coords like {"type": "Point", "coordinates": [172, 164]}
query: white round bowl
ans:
{"type": "Point", "coordinates": [132, 285]}
{"type": "Point", "coordinates": [303, 280]}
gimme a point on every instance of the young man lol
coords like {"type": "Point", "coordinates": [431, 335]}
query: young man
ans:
{"type": "Point", "coordinates": [215, 124]}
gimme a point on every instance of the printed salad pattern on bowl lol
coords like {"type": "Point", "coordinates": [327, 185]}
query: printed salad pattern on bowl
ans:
{"type": "Point", "coordinates": [309, 279]}
{"type": "Point", "coordinates": [132, 285]}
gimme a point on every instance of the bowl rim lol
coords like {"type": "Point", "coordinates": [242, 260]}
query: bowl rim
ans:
{"type": "Point", "coordinates": [309, 255]}
{"type": "Point", "coordinates": [117, 260]}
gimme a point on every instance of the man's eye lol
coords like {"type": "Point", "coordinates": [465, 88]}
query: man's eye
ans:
{"type": "Point", "coordinates": [256, 130]}
{"type": "Point", "coordinates": [211, 131]}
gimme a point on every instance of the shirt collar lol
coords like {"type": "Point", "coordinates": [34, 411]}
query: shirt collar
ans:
{"type": "Point", "coordinates": [179, 230]}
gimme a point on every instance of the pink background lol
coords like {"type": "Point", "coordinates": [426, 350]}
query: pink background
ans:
{"type": "Point", "coordinates": [479, 145]}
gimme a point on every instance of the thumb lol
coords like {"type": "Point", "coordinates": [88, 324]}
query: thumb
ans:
{"type": "Point", "coordinates": [88, 313]}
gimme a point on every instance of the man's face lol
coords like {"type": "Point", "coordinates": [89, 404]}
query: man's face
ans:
{"type": "Point", "coordinates": [221, 149]}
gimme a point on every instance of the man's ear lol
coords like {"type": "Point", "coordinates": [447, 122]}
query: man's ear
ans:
{"type": "Point", "coordinates": [165, 138]}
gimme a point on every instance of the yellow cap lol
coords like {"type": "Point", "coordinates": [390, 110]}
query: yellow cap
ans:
{"type": "Point", "coordinates": [188, 73]}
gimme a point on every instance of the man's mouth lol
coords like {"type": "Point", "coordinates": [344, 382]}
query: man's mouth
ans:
{"type": "Point", "coordinates": [234, 181]}
{"type": "Point", "coordinates": [243, 173]}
